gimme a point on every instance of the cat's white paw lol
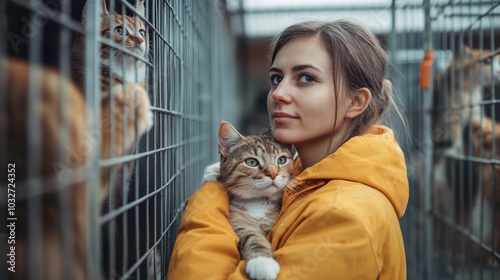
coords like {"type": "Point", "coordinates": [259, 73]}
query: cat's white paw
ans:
{"type": "Point", "coordinates": [144, 107]}
{"type": "Point", "coordinates": [211, 172]}
{"type": "Point", "coordinates": [154, 265]}
{"type": "Point", "coordinates": [262, 268]}
{"type": "Point", "coordinates": [150, 116]}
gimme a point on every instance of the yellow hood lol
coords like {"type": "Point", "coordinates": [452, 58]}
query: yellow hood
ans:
{"type": "Point", "coordinates": [354, 161]}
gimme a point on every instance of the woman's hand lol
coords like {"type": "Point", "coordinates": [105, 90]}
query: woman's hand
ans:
{"type": "Point", "coordinates": [206, 245]}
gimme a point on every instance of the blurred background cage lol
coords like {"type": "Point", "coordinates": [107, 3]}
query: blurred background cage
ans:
{"type": "Point", "coordinates": [206, 61]}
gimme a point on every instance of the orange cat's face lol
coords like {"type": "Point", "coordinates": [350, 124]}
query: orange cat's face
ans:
{"type": "Point", "coordinates": [126, 31]}
{"type": "Point", "coordinates": [125, 55]}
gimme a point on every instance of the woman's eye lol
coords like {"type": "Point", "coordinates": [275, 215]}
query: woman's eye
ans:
{"type": "Point", "coordinates": [251, 162]}
{"type": "Point", "coordinates": [142, 32]}
{"type": "Point", "coordinates": [275, 80]}
{"type": "Point", "coordinates": [306, 78]}
{"type": "Point", "coordinates": [281, 160]}
{"type": "Point", "coordinates": [119, 30]}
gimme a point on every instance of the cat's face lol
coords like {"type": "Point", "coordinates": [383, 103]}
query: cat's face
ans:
{"type": "Point", "coordinates": [123, 30]}
{"type": "Point", "coordinates": [482, 65]}
{"type": "Point", "coordinates": [253, 166]}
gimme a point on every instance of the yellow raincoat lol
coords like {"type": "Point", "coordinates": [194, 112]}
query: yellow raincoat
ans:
{"type": "Point", "coordinates": [344, 226]}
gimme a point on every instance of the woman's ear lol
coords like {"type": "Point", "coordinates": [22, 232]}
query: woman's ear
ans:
{"type": "Point", "coordinates": [359, 103]}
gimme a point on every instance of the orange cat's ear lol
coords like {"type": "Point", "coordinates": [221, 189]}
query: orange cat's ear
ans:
{"type": "Point", "coordinates": [228, 136]}
{"type": "Point", "coordinates": [101, 10]}
{"type": "Point", "coordinates": [104, 10]}
{"type": "Point", "coordinates": [140, 8]}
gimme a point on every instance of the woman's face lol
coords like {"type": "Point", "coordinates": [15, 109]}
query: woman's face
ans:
{"type": "Point", "coordinates": [301, 102]}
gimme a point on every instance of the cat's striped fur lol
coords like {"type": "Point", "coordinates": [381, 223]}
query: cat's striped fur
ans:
{"type": "Point", "coordinates": [255, 170]}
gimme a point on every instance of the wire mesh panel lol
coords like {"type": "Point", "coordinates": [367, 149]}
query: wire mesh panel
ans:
{"type": "Point", "coordinates": [108, 112]}
{"type": "Point", "coordinates": [451, 225]}
{"type": "Point", "coordinates": [464, 117]}
{"type": "Point", "coordinates": [406, 53]}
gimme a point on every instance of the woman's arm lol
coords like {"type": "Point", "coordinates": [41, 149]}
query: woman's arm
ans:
{"type": "Point", "coordinates": [315, 240]}
{"type": "Point", "coordinates": [206, 245]}
{"type": "Point", "coordinates": [312, 241]}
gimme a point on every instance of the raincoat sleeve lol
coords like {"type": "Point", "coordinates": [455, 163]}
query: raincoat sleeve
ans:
{"type": "Point", "coordinates": [206, 245]}
{"type": "Point", "coordinates": [324, 244]}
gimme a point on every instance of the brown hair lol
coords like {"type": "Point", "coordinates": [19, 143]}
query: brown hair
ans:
{"type": "Point", "coordinates": [358, 60]}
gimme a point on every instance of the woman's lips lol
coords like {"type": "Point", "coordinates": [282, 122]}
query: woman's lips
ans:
{"type": "Point", "coordinates": [281, 117]}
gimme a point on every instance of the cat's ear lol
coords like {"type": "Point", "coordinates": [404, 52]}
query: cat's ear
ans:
{"type": "Point", "coordinates": [101, 10]}
{"type": "Point", "coordinates": [463, 51]}
{"type": "Point", "coordinates": [228, 136]}
{"type": "Point", "coordinates": [140, 8]}
{"type": "Point", "coordinates": [268, 133]}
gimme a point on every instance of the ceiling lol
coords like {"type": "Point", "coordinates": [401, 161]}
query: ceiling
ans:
{"type": "Point", "coordinates": [265, 18]}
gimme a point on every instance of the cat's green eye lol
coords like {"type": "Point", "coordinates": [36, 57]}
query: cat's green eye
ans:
{"type": "Point", "coordinates": [119, 30]}
{"type": "Point", "coordinates": [251, 162]}
{"type": "Point", "coordinates": [281, 160]}
{"type": "Point", "coordinates": [142, 32]}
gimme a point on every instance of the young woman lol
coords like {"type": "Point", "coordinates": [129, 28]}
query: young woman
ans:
{"type": "Point", "coordinates": [327, 95]}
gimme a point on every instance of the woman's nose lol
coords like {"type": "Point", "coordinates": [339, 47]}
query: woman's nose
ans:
{"type": "Point", "coordinates": [282, 92]}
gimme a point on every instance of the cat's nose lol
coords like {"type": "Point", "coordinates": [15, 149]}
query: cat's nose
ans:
{"type": "Point", "coordinates": [140, 41]}
{"type": "Point", "coordinates": [273, 175]}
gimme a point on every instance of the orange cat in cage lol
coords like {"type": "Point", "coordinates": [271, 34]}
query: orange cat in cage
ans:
{"type": "Point", "coordinates": [120, 73]}
{"type": "Point", "coordinates": [60, 127]}
{"type": "Point", "coordinates": [122, 77]}
{"type": "Point", "coordinates": [458, 113]}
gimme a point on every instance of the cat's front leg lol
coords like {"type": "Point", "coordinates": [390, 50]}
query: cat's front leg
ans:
{"type": "Point", "coordinates": [125, 116]}
{"type": "Point", "coordinates": [257, 251]}
{"type": "Point", "coordinates": [211, 173]}
{"type": "Point", "coordinates": [131, 106]}
{"type": "Point", "coordinates": [135, 99]}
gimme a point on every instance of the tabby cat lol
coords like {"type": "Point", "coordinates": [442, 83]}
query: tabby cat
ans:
{"type": "Point", "coordinates": [255, 170]}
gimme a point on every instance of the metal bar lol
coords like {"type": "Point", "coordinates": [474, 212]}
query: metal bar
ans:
{"type": "Point", "coordinates": [34, 142]}
{"type": "Point", "coordinates": [67, 214]}
{"type": "Point", "coordinates": [93, 102]}
{"type": "Point", "coordinates": [427, 42]}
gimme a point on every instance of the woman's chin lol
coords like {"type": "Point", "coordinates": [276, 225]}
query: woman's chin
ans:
{"type": "Point", "coordinates": [283, 136]}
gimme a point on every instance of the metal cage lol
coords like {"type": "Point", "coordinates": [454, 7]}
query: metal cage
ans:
{"type": "Point", "coordinates": [190, 85]}
{"type": "Point", "coordinates": [451, 225]}
{"type": "Point", "coordinates": [50, 151]}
